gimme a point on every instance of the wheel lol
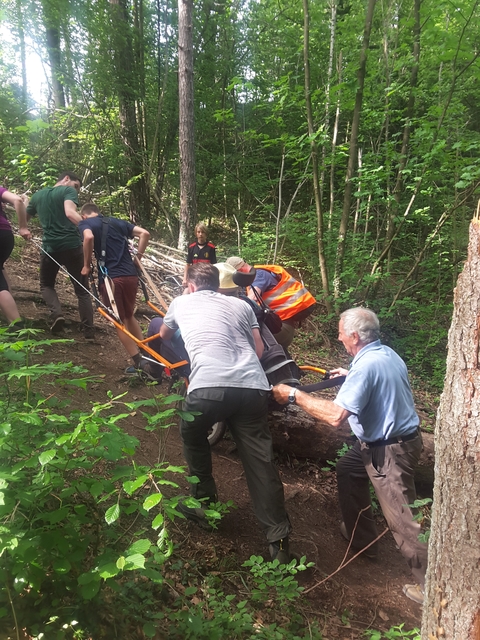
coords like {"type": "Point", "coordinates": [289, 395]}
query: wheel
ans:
{"type": "Point", "coordinates": [216, 433]}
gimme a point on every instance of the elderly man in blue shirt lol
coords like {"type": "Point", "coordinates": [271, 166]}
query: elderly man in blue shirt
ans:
{"type": "Point", "coordinates": [377, 401]}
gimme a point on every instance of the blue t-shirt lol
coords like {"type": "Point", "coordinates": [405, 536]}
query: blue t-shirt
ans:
{"type": "Point", "coordinates": [118, 260]}
{"type": "Point", "coordinates": [377, 392]}
{"type": "Point", "coordinates": [265, 280]}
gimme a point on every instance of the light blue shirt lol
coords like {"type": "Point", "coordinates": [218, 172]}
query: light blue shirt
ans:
{"type": "Point", "coordinates": [377, 392]}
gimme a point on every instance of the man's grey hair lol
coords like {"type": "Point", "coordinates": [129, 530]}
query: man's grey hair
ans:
{"type": "Point", "coordinates": [362, 321]}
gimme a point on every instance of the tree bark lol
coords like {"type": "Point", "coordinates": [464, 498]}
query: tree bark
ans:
{"type": "Point", "coordinates": [186, 138]}
{"type": "Point", "coordinates": [452, 597]}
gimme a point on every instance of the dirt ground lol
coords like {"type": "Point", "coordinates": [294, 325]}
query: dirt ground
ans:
{"type": "Point", "coordinates": [362, 595]}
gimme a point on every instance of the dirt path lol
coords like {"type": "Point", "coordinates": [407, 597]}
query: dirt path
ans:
{"type": "Point", "coordinates": [363, 595]}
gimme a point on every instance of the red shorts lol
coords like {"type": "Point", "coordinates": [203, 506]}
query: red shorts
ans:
{"type": "Point", "coordinates": [124, 293]}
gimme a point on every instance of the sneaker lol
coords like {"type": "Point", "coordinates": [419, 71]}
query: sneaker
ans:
{"type": "Point", "coordinates": [57, 325]}
{"type": "Point", "coordinates": [414, 592]}
{"type": "Point", "coordinates": [195, 514]}
{"type": "Point", "coordinates": [279, 551]}
{"type": "Point", "coordinates": [131, 371]}
{"type": "Point", "coordinates": [369, 553]}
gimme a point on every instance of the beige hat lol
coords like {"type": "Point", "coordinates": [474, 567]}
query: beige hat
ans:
{"type": "Point", "coordinates": [226, 272]}
{"type": "Point", "coordinates": [236, 262]}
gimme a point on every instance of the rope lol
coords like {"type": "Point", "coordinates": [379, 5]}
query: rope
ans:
{"type": "Point", "coordinates": [97, 300]}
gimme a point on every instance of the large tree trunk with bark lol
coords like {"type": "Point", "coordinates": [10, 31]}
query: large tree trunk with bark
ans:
{"type": "Point", "coordinates": [186, 139]}
{"type": "Point", "coordinates": [452, 598]}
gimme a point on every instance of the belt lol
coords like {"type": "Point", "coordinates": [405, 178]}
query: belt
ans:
{"type": "Point", "coordinates": [395, 440]}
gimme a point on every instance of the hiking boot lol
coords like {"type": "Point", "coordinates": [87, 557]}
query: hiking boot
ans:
{"type": "Point", "coordinates": [149, 371]}
{"type": "Point", "coordinates": [369, 553]}
{"type": "Point", "coordinates": [57, 324]}
{"type": "Point", "coordinates": [279, 551]}
{"type": "Point", "coordinates": [89, 334]}
{"type": "Point", "coordinates": [17, 325]}
{"type": "Point", "coordinates": [196, 514]}
{"type": "Point", "coordinates": [414, 592]}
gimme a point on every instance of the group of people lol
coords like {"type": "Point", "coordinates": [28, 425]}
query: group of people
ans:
{"type": "Point", "coordinates": [221, 336]}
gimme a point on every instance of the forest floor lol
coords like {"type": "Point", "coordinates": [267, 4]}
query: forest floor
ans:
{"type": "Point", "coordinates": [364, 594]}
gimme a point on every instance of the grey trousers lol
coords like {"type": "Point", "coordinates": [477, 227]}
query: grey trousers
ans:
{"type": "Point", "coordinates": [245, 410]}
{"type": "Point", "coordinates": [72, 260]}
{"type": "Point", "coordinates": [391, 471]}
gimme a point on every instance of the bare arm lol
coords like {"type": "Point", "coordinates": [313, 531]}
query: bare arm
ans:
{"type": "Point", "coordinates": [259, 346]}
{"type": "Point", "coordinates": [166, 333]}
{"type": "Point", "coordinates": [251, 293]}
{"type": "Point", "coordinates": [18, 203]}
{"type": "Point", "coordinates": [71, 212]}
{"type": "Point", "coordinates": [143, 237]}
{"type": "Point", "coordinates": [184, 281]}
{"type": "Point", "coordinates": [87, 251]}
{"type": "Point", "coordinates": [324, 410]}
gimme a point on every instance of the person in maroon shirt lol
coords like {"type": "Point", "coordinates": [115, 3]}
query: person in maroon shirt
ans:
{"type": "Point", "coordinates": [7, 242]}
{"type": "Point", "coordinates": [200, 251]}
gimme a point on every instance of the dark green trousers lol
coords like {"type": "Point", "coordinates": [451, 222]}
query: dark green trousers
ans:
{"type": "Point", "coordinates": [245, 410]}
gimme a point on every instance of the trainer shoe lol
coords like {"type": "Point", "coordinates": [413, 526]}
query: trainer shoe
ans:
{"type": "Point", "coordinates": [57, 325]}
{"type": "Point", "coordinates": [414, 592]}
{"type": "Point", "coordinates": [369, 553]}
{"type": "Point", "coordinates": [89, 334]}
{"type": "Point", "coordinates": [279, 551]}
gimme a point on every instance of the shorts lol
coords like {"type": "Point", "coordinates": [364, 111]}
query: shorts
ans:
{"type": "Point", "coordinates": [124, 293]}
{"type": "Point", "coordinates": [7, 242]}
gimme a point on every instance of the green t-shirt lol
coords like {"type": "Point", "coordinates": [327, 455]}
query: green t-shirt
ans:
{"type": "Point", "coordinates": [59, 232]}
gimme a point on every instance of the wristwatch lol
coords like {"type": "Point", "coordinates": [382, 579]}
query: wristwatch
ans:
{"type": "Point", "coordinates": [291, 395]}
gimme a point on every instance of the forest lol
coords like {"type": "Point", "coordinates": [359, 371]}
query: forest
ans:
{"type": "Point", "coordinates": [337, 138]}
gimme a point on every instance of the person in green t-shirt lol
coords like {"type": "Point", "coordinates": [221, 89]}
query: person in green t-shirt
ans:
{"type": "Point", "coordinates": [56, 208]}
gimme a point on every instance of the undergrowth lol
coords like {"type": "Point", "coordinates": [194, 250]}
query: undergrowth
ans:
{"type": "Point", "coordinates": [87, 542]}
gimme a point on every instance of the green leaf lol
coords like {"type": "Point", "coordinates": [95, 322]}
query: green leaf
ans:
{"type": "Point", "coordinates": [130, 486]}
{"type": "Point", "coordinates": [62, 565]}
{"type": "Point", "coordinates": [149, 629]}
{"type": "Point", "coordinates": [47, 456]}
{"type": "Point", "coordinates": [157, 521]}
{"type": "Point", "coordinates": [108, 571]}
{"type": "Point", "coordinates": [152, 501]}
{"type": "Point", "coordinates": [136, 560]}
{"type": "Point", "coordinates": [90, 590]}
{"type": "Point", "coordinates": [121, 562]}
{"type": "Point", "coordinates": [112, 514]}
{"type": "Point", "coordinates": [140, 546]}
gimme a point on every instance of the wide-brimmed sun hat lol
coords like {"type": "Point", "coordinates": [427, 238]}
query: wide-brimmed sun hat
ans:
{"type": "Point", "coordinates": [226, 273]}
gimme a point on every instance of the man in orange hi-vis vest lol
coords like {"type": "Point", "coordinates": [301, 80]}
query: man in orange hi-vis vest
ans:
{"type": "Point", "coordinates": [282, 293]}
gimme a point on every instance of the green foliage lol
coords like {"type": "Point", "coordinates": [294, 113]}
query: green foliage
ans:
{"type": "Point", "coordinates": [394, 633]}
{"type": "Point", "coordinates": [270, 594]}
{"type": "Point", "coordinates": [331, 464]}
{"type": "Point", "coordinates": [423, 515]}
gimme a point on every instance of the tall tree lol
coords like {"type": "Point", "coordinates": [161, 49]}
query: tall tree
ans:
{"type": "Point", "coordinates": [51, 19]}
{"type": "Point", "coordinates": [186, 138]}
{"type": "Point", "coordinates": [316, 182]}
{"type": "Point", "coordinates": [353, 151]}
{"type": "Point", "coordinates": [452, 607]}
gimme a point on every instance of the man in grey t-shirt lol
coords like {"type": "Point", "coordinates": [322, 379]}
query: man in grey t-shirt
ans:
{"type": "Point", "coordinates": [227, 382]}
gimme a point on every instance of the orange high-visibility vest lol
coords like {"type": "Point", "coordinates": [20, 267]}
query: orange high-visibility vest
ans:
{"type": "Point", "coordinates": [289, 297]}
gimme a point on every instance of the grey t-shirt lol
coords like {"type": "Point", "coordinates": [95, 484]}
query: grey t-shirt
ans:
{"type": "Point", "coordinates": [217, 331]}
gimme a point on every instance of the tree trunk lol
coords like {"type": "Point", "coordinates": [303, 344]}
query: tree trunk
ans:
{"type": "Point", "coordinates": [51, 19]}
{"type": "Point", "coordinates": [452, 598]}
{"type": "Point", "coordinates": [186, 138]}
{"type": "Point", "coordinates": [347, 199]}
{"type": "Point", "coordinates": [313, 145]}
{"type": "Point", "coordinates": [127, 90]}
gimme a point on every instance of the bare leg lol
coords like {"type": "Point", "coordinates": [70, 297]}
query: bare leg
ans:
{"type": "Point", "coordinates": [131, 324]}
